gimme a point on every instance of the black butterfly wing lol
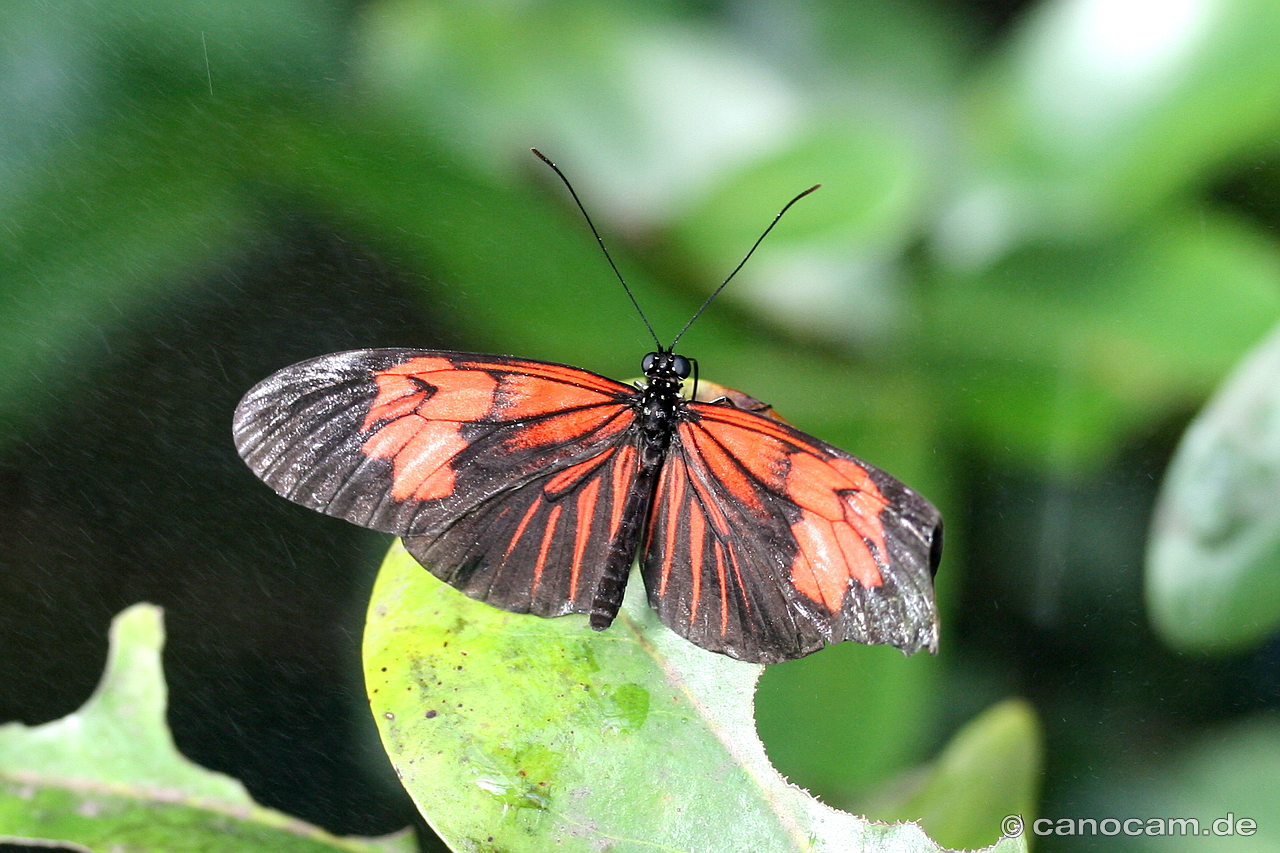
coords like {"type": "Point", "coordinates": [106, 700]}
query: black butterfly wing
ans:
{"type": "Point", "coordinates": [540, 547]}
{"type": "Point", "coordinates": [505, 476]}
{"type": "Point", "coordinates": [767, 544]}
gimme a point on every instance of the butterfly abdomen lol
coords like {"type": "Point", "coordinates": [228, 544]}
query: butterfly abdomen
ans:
{"type": "Point", "coordinates": [656, 409]}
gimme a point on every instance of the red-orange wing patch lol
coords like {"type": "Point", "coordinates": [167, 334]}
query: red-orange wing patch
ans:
{"type": "Point", "coordinates": [766, 543]}
{"type": "Point", "coordinates": [427, 410]}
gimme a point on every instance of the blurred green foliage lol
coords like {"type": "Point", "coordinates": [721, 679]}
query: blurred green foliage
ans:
{"type": "Point", "coordinates": [1042, 240]}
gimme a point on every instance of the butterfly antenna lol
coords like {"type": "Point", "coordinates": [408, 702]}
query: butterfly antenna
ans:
{"type": "Point", "coordinates": [607, 256]}
{"type": "Point", "coordinates": [740, 265]}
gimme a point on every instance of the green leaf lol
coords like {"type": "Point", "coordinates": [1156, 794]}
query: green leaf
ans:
{"type": "Point", "coordinates": [1213, 563]}
{"type": "Point", "coordinates": [831, 266]}
{"type": "Point", "coordinates": [1224, 777]}
{"type": "Point", "coordinates": [1057, 354]}
{"type": "Point", "coordinates": [1099, 112]}
{"type": "Point", "coordinates": [517, 733]}
{"type": "Point", "coordinates": [989, 771]}
{"type": "Point", "coordinates": [493, 80]}
{"type": "Point", "coordinates": [109, 777]}
{"type": "Point", "coordinates": [903, 52]}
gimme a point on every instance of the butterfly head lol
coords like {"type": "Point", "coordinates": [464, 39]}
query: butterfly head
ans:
{"type": "Point", "coordinates": [666, 368]}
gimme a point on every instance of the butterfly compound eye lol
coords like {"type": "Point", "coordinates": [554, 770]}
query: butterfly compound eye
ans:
{"type": "Point", "coordinates": [649, 361]}
{"type": "Point", "coordinates": [680, 366]}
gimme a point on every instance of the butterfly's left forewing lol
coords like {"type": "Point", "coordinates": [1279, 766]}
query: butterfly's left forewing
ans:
{"type": "Point", "coordinates": [766, 544]}
{"type": "Point", "coordinates": [505, 476]}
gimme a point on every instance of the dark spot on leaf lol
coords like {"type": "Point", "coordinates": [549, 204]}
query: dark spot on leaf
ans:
{"type": "Point", "coordinates": [625, 707]}
{"type": "Point", "coordinates": [431, 714]}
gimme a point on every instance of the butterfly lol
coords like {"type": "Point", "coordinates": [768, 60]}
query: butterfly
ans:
{"type": "Point", "coordinates": [534, 486]}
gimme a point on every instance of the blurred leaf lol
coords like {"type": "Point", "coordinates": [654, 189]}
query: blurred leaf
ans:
{"type": "Point", "coordinates": [1213, 562]}
{"type": "Point", "coordinates": [167, 52]}
{"type": "Point", "coordinates": [520, 733]}
{"type": "Point", "coordinates": [1230, 771]}
{"type": "Point", "coordinates": [871, 186]}
{"type": "Point", "coordinates": [202, 47]}
{"type": "Point", "coordinates": [1101, 110]}
{"type": "Point", "coordinates": [1055, 355]}
{"type": "Point", "coordinates": [865, 52]}
{"type": "Point", "coordinates": [109, 777]}
{"type": "Point", "coordinates": [589, 84]}
{"type": "Point", "coordinates": [831, 265]}
{"type": "Point", "coordinates": [156, 205]}
{"type": "Point", "coordinates": [989, 770]}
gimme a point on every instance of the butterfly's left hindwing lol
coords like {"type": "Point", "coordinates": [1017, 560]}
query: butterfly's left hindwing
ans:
{"type": "Point", "coordinates": [505, 475]}
{"type": "Point", "coordinates": [539, 548]}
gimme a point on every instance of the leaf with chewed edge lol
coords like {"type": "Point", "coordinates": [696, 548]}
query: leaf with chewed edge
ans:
{"type": "Point", "coordinates": [108, 776]}
{"type": "Point", "coordinates": [517, 733]}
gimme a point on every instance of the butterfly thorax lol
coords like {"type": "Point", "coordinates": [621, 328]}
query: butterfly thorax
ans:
{"type": "Point", "coordinates": [660, 399]}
